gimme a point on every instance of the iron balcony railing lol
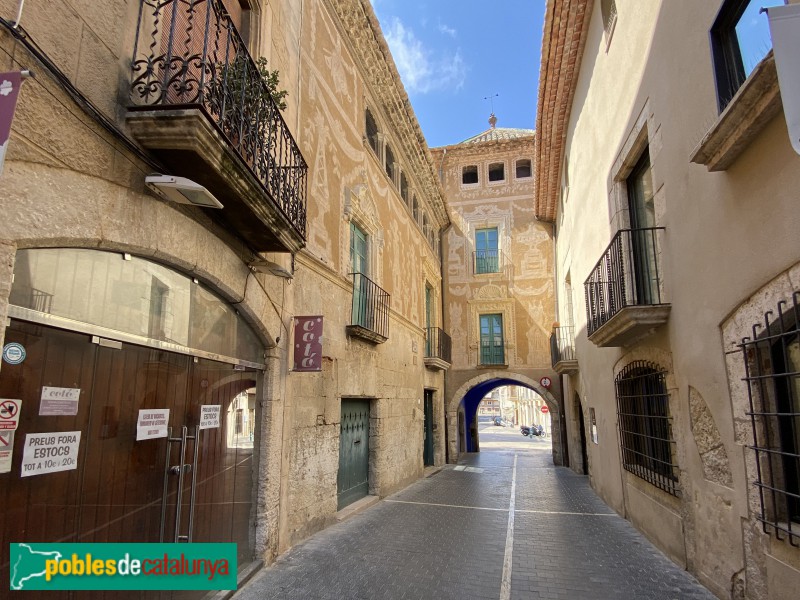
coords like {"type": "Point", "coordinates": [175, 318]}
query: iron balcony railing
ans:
{"type": "Point", "coordinates": [491, 352]}
{"type": "Point", "coordinates": [371, 306]}
{"type": "Point", "coordinates": [188, 54]}
{"type": "Point", "coordinates": [487, 261]}
{"type": "Point", "coordinates": [562, 344]}
{"type": "Point", "coordinates": [438, 344]}
{"type": "Point", "coordinates": [627, 274]}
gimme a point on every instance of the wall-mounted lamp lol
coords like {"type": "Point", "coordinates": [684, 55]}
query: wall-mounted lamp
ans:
{"type": "Point", "coordinates": [181, 191]}
{"type": "Point", "coordinates": [267, 266]}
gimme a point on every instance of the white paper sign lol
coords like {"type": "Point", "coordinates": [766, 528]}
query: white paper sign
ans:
{"type": "Point", "coordinates": [152, 423]}
{"type": "Point", "coordinates": [58, 401]}
{"type": "Point", "coordinates": [784, 23]}
{"type": "Point", "coordinates": [6, 450]}
{"type": "Point", "coordinates": [209, 416]}
{"type": "Point", "coordinates": [50, 452]}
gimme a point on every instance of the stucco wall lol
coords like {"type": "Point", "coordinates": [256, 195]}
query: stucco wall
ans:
{"type": "Point", "coordinates": [727, 234]}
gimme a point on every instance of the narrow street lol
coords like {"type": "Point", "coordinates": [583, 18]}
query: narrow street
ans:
{"type": "Point", "coordinates": [503, 524]}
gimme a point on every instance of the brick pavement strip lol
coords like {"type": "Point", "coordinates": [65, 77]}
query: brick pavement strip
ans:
{"type": "Point", "coordinates": [429, 542]}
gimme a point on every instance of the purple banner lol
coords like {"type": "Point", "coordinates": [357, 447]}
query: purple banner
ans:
{"type": "Point", "coordinates": [308, 343]}
{"type": "Point", "coordinates": [9, 90]}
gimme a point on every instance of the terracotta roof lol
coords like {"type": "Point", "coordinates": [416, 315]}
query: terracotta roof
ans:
{"type": "Point", "coordinates": [563, 41]}
{"type": "Point", "coordinates": [498, 133]}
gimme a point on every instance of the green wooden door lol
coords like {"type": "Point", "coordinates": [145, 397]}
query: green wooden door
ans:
{"type": "Point", "coordinates": [486, 251]}
{"type": "Point", "coordinates": [353, 479]}
{"type": "Point", "coordinates": [492, 347]}
{"type": "Point", "coordinates": [428, 431]}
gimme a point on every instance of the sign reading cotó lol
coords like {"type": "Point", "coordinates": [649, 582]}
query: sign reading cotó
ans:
{"type": "Point", "coordinates": [58, 401]}
{"type": "Point", "coordinates": [308, 343]}
{"type": "Point", "coordinates": [50, 452]}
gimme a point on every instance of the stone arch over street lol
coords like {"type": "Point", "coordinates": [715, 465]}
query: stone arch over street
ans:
{"type": "Point", "coordinates": [463, 405]}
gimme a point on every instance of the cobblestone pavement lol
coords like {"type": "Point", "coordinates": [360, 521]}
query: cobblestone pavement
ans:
{"type": "Point", "coordinates": [448, 536]}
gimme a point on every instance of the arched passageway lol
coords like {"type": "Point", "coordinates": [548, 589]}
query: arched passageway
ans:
{"type": "Point", "coordinates": [464, 407]}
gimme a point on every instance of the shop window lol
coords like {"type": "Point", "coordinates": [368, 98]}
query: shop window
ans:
{"type": "Point", "coordinates": [772, 367]}
{"type": "Point", "coordinates": [740, 39]}
{"type": "Point", "coordinates": [523, 168]}
{"type": "Point", "coordinates": [645, 428]}
{"type": "Point", "coordinates": [469, 174]}
{"type": "Point", "coordinates": [371, 131]}
{"type": "Point", "coordinates": [497, 172]}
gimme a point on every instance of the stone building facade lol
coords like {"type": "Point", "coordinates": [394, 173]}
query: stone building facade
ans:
{"type": "Point", "coordinates": [498, 283]}
{"type": "Point", "coordinates": [332, 208]}
{"type": "Point", "coordinates": [671, 182]}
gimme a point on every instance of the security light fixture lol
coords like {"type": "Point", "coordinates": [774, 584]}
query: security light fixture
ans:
{"type": "Point", "coordinates": [267, 266]}
{"type": "Point", "coordinates": [181, 191]}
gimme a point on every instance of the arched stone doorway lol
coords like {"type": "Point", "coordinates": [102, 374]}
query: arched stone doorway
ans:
{"type": "Point", "coordinates": [463, 405]}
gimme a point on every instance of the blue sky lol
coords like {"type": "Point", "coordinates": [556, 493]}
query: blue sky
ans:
{"type": "Point", "coordinates": [451, 54]}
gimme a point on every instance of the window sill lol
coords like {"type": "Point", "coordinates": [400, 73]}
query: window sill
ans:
{"type": "Point", "coordinates": [754, 105]}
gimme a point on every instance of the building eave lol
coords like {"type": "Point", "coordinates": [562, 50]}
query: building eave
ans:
{"type": "Point", "coordinates": [563, 41]}
{"type": "Point", "coordinates": [360, 26]}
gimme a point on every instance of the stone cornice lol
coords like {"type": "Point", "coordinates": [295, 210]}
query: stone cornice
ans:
{"type": "Point", "coordinates": [565, 25]}
{"type": "Point", "coordinates": [479, 148]}
{"type": "Point", "coordinates": [359, 25]}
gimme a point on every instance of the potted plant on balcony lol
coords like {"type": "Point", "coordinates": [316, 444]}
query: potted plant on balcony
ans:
{"type": "Point", "coordinates": [239, 94]}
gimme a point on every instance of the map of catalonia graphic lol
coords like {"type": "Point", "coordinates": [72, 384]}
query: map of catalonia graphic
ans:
{"type": "Point", "coordinates": [30, 564]}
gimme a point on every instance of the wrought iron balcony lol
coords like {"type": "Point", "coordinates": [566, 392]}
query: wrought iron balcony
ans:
{"type": "Point", "coordinates": [488, 261]}
{"type": "Point", "coordinates": [369, 317]}
{"type": "Point", "coordinates": [438, 349]}
{"type": "Point", "coordinates": [201, 105]}
{"type": "Point", "coordinates": [562, 350]}
{"type": "Point", "coordinates": [624, 291]}
{"type": "Point", "coordinates": [491, 353]}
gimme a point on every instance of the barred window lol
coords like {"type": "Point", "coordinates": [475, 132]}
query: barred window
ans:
{"type": "Point", "coordinates": [645, 427]}
{"type": "Point", "coordinates": [608, 8]}
{"type": "Point", "coordinates": [772, 373]}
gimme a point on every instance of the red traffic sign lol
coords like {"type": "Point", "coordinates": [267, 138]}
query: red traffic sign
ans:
{"type": "Point", "coordinates": [544, 409]}
{"type": "Point", "coordinates": [545, 382]}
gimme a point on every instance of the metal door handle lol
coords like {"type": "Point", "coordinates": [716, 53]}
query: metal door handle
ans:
{"type": "Point", "coordinates": [357, 442]}
{"type": "Point", "coordinates": [176, 469]}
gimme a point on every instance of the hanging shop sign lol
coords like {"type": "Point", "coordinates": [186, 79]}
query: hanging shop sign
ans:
{"type": "Point", "coordinates": [14, 353]}
{"type": "Point", "coordinates": [9, 91]}
{"type": "Point", "coordinates": [209, 416]}
{"type": "Point", "coordinates": [308, 343]}
{"type": "Point", "coordinates": [784, 25]}
{"type": "Point", "coordinates": [152, 423]}
{"type": "Point", "coordinates": [9, 414]}
{"type": "Point", "coordinates": [50, 452]}
{"type": "Point", "coordinates": [58, 401]}
{"type": "Point", "coordinates": [6, 450]}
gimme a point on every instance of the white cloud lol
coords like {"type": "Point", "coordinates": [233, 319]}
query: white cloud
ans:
{"type": "Point", "coordinates": [420, 71]}
{"type": "Point", "coordinates": [447, 30]}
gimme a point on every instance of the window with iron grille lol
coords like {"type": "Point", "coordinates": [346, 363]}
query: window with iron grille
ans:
{"type": "Point", "coordinates": [645, 428]}
{"type": "Point", "coordinates": [608, 9]}
{"type": "Point", "coordinates": [772, 374]}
